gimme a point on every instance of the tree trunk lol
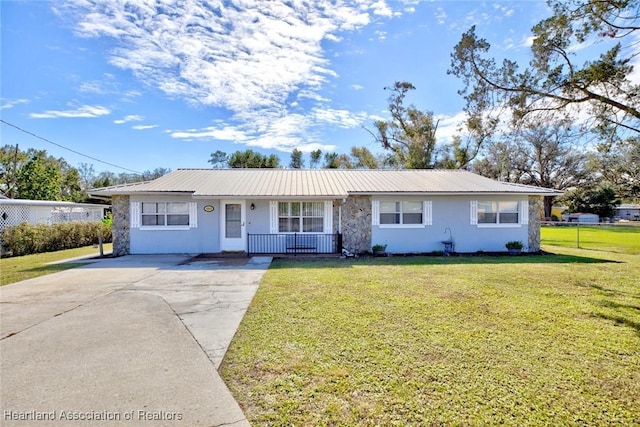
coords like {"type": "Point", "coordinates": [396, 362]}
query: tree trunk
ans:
{"type": "Point", "coordinates": [548, 205]}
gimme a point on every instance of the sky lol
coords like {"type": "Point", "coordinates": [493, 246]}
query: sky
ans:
{"type": "Point", "coordinates": [142, 84]}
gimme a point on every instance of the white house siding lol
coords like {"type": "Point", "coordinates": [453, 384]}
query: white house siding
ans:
{"type": "Point", "coordinates": [451, 212]}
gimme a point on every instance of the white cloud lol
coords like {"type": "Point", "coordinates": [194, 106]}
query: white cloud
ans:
{"type": "Point", "coordinates": [441, 15]}
{"type": "Point", "coordinates": [280, 132]}
{"type": "Point", "coordinates": [250, 57]}
{"type": "Point", "coordinates": [357, 87]}
{"type": "Point", "coordinates": [143, 127]}
{"type": "Point", "coordinates": [129, 118]}
{"type": "Point", "coordinates": [86, 111]}
{"type": "Point", "coordinates": [10, 103]}
{"type": "Point", "coordinates": [448, 126]}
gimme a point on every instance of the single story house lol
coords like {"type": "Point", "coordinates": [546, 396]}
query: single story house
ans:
{"type": "Point", "coordinates": [322, 211]}
{"type": "Point", "coordinates": [17, 211]}
{"type": "Point", "coordinates": [628, 211]}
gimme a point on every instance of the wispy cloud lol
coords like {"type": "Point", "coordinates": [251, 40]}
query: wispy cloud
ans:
{"type": "Point", "coordinates": [143, 127]}
{"type": "Point", "coordinates": [10, 103]}
{"type": "Point", "coordinates": [129, 118]}
{"type": "Point", "coordinates": [86, 111]}
{"type": "Point", "coordinates": [441, 15]}
{"type": "Point", "coordinates": [283, 132]}
{"type": "Point", "coordinates": [253, 58]}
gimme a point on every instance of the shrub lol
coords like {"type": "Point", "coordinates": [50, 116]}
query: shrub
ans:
{"type": "Point", "coordinates": [27, 239]}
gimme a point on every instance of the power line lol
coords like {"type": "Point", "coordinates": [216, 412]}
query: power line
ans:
{"type": "Point", "coordinates": [68, 149]}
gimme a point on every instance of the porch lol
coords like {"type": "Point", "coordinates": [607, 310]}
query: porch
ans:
{"type": "Point", "coordinates": [294, 243]}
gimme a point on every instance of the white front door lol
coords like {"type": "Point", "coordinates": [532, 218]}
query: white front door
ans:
{"type": "Point", "coordinates": [233, 232]}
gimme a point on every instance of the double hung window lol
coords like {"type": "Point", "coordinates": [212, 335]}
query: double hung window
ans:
{"type": "Point", "coordinates": [401, 212]}
{"type": "Point", "coordinates": [164, 214]}
{"type": "Point", "coordinates": [300, 217]}
{"type": "Point", "coordinates": [503, 212]}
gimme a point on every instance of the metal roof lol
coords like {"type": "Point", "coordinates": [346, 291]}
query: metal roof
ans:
{"type": "Point", "coordinates": [321, 183]}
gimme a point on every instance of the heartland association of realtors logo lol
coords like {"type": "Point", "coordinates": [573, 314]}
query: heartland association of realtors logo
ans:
{"type": "Point", "coordinates": [64, 415]}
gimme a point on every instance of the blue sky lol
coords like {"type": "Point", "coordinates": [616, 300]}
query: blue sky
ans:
{"type": "Point", "coordinates": [143, 84]}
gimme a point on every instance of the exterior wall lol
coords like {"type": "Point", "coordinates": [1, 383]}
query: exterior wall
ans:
{"type": "Point", "coordinates": [452, 213]}
{"type": "Point", "coordinates": [258, 219]}
{"type": "Point", "coordinates": [356, 224]}
{"type": "Point", "coordinates": [536, 205]}
{"type": "Point", "coordinates": [448, 212]}
{"type": "Point", "coordinates": [120, 225]}
{"type": "Point", "coordinates": [204, 238]}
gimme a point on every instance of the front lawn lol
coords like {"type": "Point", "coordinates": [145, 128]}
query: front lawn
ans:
{"type": "Point", "coordinates": [525, 340]}
{"type": "Point", "coordinates": [15, 269]}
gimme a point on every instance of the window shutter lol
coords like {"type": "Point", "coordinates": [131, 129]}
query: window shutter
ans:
{"type": "Point", "coordinates": [273, 216]}
{"type": "Point", "coordinates": [427, 216]}
{"type": "Point", "coordinates": [193, 215]}
{"type": "Point", "coordinates": [473, 212]}
{"type": "Point", "coordinates": [524, 212]}
{"type": "Point", "coordinates": [375, 212]}
{"type": "Point", "coordinates": [328, 217]}
{"type": "Point", "coordinates": [134, 214]}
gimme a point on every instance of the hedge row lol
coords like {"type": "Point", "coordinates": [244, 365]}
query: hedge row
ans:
{"type": "Point", "coordinates": [27, 239]}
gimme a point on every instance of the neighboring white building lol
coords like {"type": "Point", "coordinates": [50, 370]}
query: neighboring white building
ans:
{"type": "Point", "coordinates": [588, 218]}
{"type": "Point", "coordinates": [322, 211]}
{"type": "Point", "coordinates": [628, 211]}
{"type": "Point", "coordinates": [16, 211]}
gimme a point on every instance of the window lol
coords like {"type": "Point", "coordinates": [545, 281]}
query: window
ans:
{"type": "Point", "coordinates": [300, 217]}
{"type": "Point", "coordinates": [165, 214]}
{"type": "Point", "coordinates": [498, 212]}
{"type": "Point", "coordinates": [400, 213]}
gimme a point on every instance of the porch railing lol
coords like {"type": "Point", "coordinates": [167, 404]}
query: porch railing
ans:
{"type": "Point", "coordinates": [294, 243]}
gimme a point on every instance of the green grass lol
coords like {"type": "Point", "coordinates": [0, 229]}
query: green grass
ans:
{"type": "Point", "coordinates": [527, 340]}
{"type": "Point", "coordinates": [15, 269]}
{"type": "Point", "coordinates": [621, 239]}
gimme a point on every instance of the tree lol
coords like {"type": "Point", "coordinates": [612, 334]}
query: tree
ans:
{"type": "Point", "coordinates": [331, 161]}
{"type": "Point", "coordinates": [362, 158]}
{"type": "Point", "coordinates": [252, 159]}
{"type": "Point", "coordinates": [540, 154]}
{"type": "Point", "coordinates": [297, 162]}
{"type": "Point", "coordinates": [39, 179]}
{"type": "Point", "coordinates": [619, 166]}
{"type": "Point", "coordinates": [154, 174]}
{"type": "Point", "coordinates": [554, 80]}
{"type": "Point", "coordinates": [11, 159]}
{"type": "Point", "coordinates": [601, 201]}
{"type": "Point", "coordinates": [316, 156]}
{"type": "Point", "coordinates": [87, 175]}
{"type": "Point", "coordinates": [219, 159]}
{"type": "Point", "coordinates": [410, 134]}
{"type": "Point", "coordinates": [70, 183]}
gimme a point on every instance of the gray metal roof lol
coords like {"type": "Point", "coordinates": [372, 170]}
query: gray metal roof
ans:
{"type": "Point", "coordinates": [321, 183]}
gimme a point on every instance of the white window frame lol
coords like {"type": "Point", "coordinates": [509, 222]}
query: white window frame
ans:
{"type": "Point", "coordinates": [136, 214]}
{"type": "Point", "coordinates": [327, 213]}
{"type": "Point", "coordinates": [427, 215]}
{"type": "Point", "coordinates": [522, 210]}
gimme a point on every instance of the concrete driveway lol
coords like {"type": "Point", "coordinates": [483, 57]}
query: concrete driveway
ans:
{"type": "Point", "coordinates": [124, 341]}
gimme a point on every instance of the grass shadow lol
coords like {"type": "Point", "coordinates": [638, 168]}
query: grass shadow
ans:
{"type": "Point", "coordinates": [473, 259]}
{"type": "Point", "coordinates": [620, 320]}
{"type": "Point", "coordinates": [54, 268]}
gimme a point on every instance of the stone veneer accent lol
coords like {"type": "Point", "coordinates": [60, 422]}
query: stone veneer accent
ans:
{"type": "Point", "coordinates": [535, 207]}
{"type": "Point", "coordinates": [120, 225]}
{"type": "Point", "coordinates": [356, 224]}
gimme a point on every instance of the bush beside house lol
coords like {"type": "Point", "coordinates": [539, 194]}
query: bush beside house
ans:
{"type": "Point", "coordinates": [27, 239]}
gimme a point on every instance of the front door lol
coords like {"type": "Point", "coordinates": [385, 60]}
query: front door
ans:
{"type": "Point", "coordinates": [233, 234]}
